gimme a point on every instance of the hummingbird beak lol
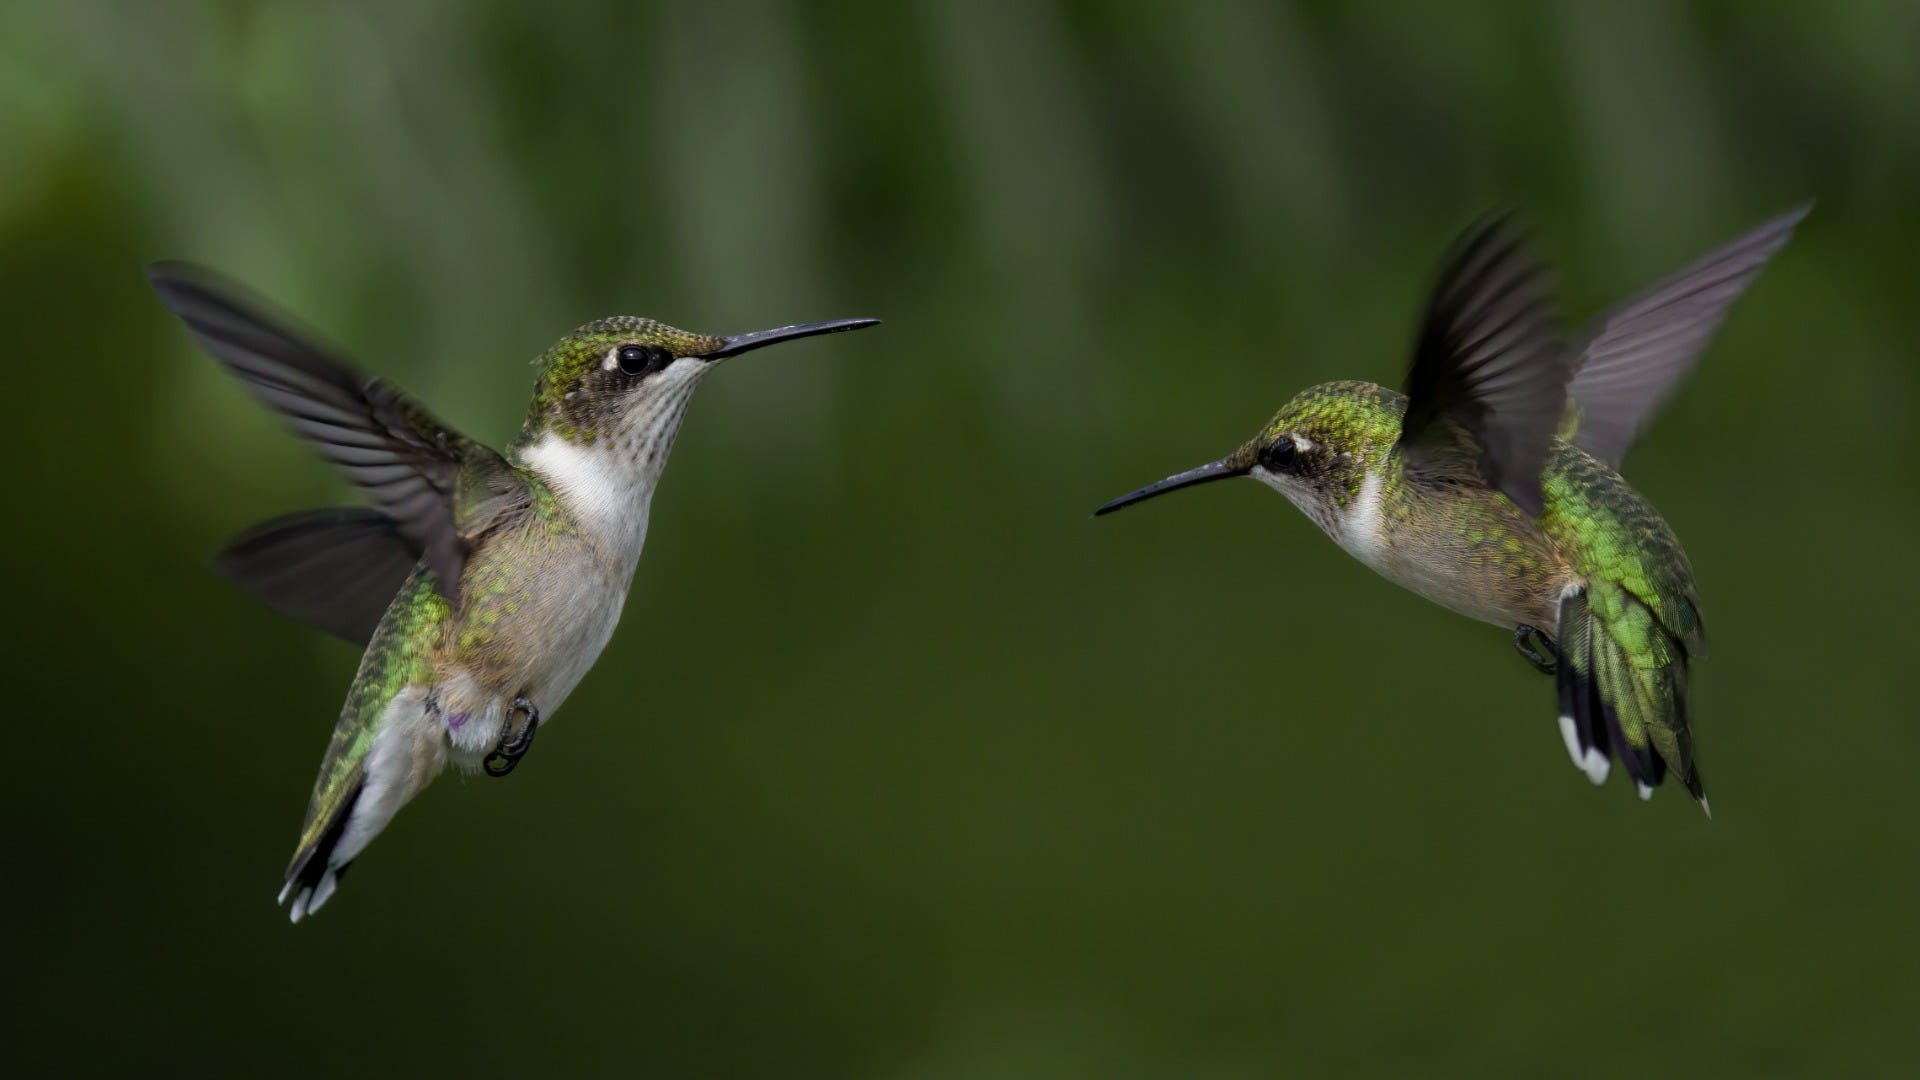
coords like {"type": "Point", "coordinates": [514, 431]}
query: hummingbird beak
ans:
{"type": "Point", "coordinates": [739, 343]}
{"type": "Point", "coordinates": [1213, 470]}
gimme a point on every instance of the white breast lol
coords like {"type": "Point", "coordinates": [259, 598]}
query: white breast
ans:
{"type": "Point", "coordinates": [1356, 528]}
{"type": "Point", "coordinates": [1360, 530]}
{"type": "Point", "coordinates": [607, 494]}
{"type": "Point", "coordinates": [607, 485]}
{"type": "Point", "coordinates": [610, 501]}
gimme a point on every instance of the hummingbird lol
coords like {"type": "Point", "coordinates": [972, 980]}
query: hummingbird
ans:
{"type": "Point", "coordinates": [1491, 485]}
{"type": "Point", "coordinates": [482, 584]}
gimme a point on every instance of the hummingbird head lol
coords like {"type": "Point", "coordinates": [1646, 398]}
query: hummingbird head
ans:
{"type": "Point", "coordinates": [627, 380]}
{"type": "Point", "coordinates": [1317, 451]}
{"type": "Point", "coordinates": [608, 403]}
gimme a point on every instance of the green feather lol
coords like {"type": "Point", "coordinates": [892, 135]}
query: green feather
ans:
{"type": "Point", "coordinates": [1640, 625]}
{"type": "Point", "coordinates": [395, 657]}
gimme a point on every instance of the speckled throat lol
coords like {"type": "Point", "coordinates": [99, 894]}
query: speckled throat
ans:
{"type": "Point", "coordinates": [605, 477]}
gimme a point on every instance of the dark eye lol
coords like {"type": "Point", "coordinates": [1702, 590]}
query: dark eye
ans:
{"type": "Point", "coordinates": [642, 359]}
{"type": "Point", "coordinates": [1278, 457]}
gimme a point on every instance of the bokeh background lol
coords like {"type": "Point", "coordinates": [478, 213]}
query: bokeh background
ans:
{"type": "Point", "coordinates": [900, 765]}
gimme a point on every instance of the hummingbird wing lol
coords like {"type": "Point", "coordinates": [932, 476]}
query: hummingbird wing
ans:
{"type": "Point", "coordinates": [1632, 357]}
{"type": "Point", "coordinates": [439, 487]}
{"type": "Point", "coordinates": [1489, 362]}
{"type": "Point", "coordinates": [335, 569]}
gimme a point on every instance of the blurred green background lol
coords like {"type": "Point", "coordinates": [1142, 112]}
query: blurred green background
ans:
{"type": "Point", "coordinates": [900, 765]}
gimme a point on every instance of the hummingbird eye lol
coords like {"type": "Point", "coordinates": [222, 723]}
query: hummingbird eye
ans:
{"type": "Point", "coordinates": [1279, 454]}
{"type": "Point", "coordinates": [643, 359]}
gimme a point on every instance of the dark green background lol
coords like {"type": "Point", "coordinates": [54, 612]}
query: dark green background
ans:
{"type": "Point", "coordinates": [900, 765]}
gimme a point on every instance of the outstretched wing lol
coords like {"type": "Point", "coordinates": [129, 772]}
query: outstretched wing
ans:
{"type": "Point", "coordinates": [1633, 356]}
{"type": "Point", "coordinates": [438, 487]}
{"type": "Point", "coordinates": [1490, 360]}
{"type": "Point", "coordinates": [335, 569]}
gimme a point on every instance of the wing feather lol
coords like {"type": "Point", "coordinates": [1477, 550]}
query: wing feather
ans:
{"type": "Point", "coordinates": [336, 569]}
{"type": "Point", "coordinates": [1631, 358]}
{"type": "Point", "coordinates": [383, 441]}
{"type": "Point", "coordinates": [1489, 360]}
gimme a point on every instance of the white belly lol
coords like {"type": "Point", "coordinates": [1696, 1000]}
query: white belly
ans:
{"type": "Point", "coordinates": [553, 641]}
{"type": "Point", "coordinates": [590, 607]}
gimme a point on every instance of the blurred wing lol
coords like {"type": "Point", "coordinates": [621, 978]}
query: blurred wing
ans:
{"type": "Point", "coordinates": [1490, 360]}
{"type": "Point", "coordinates": [1637, 353]}
{"type": "Point", "coordinates": [335, 569]}
{"type": "Point", "coordinates": [407, 462]}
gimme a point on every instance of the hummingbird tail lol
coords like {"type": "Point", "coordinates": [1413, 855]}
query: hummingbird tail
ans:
{"type": "Point", "coordinates": [1623, 690]}
{"type": "Point", "coordinates": [313, 877]}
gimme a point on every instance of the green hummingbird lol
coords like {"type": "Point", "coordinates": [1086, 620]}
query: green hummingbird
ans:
{"type": "Point", "coordinates": [482, 584]}
{"type": "Point", "coordinates": [1491, 486]}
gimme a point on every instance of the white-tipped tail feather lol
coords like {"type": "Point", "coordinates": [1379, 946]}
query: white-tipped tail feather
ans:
{"type": "Point", "coordinates": [1589, 759]}
{"type": "Point", "coordinates": [308, 900]}
{"type": "Point", "coordinates": [322, 891]}
{"type": "Point", "coordinates": [1566, 732]}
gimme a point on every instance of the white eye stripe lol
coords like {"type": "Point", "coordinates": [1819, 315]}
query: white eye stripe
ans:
{"type": "Point", "coordinates": [613, 359]}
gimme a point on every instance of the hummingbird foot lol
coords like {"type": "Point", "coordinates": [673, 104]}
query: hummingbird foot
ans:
{"type": "Point", "coordinates": [515, 739]}
{"type": "Point", "coordinates": [1537, 647]}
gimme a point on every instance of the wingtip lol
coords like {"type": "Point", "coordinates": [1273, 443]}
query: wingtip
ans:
{"type": "Point", "coordinates": [180, 284]}
{"type": "Point", "coordinates": [167, 272]}
{"type": "Point", "coordinates": [1780, 228]}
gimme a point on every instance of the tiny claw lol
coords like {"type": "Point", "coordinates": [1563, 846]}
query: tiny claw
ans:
{"type": "Point", "coordinates": [515, 741]}
{"type": "Point", "coordinates": [1540, 655]}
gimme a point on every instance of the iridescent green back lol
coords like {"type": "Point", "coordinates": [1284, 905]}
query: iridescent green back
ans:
{"type": "Point", "coordinates": [1615, 536]}
{"type": "Point", "coordinates": [1627, 643]}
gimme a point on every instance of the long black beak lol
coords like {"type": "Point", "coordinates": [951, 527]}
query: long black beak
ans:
{"type": "Point", "coordinates": [1205, 474]}
{"type": "Point", "coordinates": [739, 343]}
